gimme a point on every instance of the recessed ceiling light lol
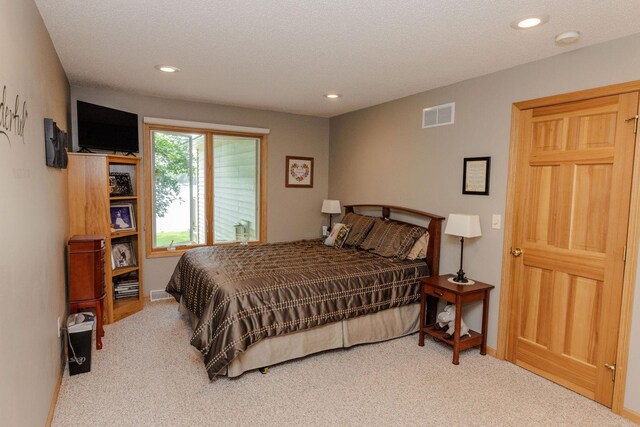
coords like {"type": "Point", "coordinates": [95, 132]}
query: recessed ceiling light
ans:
{"type": "Point", "coordinates": [529, 22]}
{"type": "Point", "coordinates": [167, 68]}
{"type": "Point", "coordinates": [566, 38]}
{"type": "Point", "coordinates": [332, 95]}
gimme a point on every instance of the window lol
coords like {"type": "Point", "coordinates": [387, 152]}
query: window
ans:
{"type": "Point", "coordinates": [235, 188]}
{"type": "Point", "coordinates": [205, 187]}
{"type": "Point", "coordinates": [178, 189]}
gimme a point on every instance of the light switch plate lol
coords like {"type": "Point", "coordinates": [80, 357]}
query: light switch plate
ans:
{"type": "Point", "coordinates": [496, 221]}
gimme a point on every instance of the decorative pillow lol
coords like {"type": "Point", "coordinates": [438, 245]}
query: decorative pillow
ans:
{"type": "Point", "coordinates": [393, 239]}
{"type": "Point", "coordinates": [341, 236]}
{"type": "Point", "coordinates": [419, 249]}
{"type": "Point", "coordinates": [335, 232]}
{"type": "Point", "coordinates": [399, 241]}
{"type": "Point", "coordinates": [376, 234]}
{"type": "Point", "coordinates": [331, 239]}
{"type": "Point", "coordinates": [360, 226]}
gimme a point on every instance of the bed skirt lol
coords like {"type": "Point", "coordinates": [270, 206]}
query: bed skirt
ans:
{"type": "Point", "coordinates": [381, 326]}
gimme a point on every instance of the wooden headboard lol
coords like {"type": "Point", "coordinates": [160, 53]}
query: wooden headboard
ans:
{"type": "Point", "coordinates": [434, 227]}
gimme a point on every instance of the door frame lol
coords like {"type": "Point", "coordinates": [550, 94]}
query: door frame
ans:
{"type": "Point", "coordinates": [633, 233]}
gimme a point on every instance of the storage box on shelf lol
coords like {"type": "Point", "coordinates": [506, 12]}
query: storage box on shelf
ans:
{"type": "Point", "coordinates": [91, 202]}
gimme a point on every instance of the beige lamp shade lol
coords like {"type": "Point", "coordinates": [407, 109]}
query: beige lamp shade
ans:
{"type": "Point", "coordinates": [331, 207]}
{"type": "Point", "coordinates": [463, 225]}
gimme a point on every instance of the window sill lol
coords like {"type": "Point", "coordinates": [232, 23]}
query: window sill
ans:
{"type": "Point", "coordinates": [163, 253]}
{"type": "Point", "coordinates": [156, 253]}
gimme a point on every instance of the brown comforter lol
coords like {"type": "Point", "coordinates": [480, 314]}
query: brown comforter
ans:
{"type": "Point", "coordinates": [242, 294]}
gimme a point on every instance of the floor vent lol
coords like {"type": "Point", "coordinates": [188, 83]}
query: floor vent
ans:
{"type": "Point", "coordinates": [439, 115]}
{"type": "Point", "coordinates": [159, 295]}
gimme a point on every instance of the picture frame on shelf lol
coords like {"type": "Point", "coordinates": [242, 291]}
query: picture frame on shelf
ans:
{"type": "Point", "coordinates": [123, 255]}
{"type": "Point", "coordinates": [475, 175]}
{"type": "Point", "coordinates": [122, 217]}
{"type": "Point", "coordinates": [120, 184]}
{"type": "Point", "coordinates": [299, 172]}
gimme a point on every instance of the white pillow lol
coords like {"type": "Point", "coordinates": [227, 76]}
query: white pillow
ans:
{"type": "Point", "coordinates": [329, 241]}
{"type": "Point", "coordinates": [419, 249]}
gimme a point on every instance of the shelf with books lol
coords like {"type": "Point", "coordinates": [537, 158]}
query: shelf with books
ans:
{"type": "Point", "coordinates": [126, 287]}
{"type": "Point", "coordinates": [124, 294]}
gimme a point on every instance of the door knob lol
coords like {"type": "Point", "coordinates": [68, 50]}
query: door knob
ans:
{"type": "Point", "coordinates": [516, 252]}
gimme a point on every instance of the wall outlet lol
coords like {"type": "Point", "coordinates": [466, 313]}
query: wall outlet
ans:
{"type": "Point", "coordinates": [496, 221]}
{"type": "Point", "coordinates": [59, 327]}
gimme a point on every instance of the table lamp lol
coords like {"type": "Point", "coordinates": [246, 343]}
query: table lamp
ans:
{"type": "Point", "coordinates": [462, 225]}
{"type": "Point", "coordinates": [331, 207]}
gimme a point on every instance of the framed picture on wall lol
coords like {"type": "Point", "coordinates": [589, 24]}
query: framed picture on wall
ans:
{"type": "Point", "coordinates": [299, 172]}
{"type": "Point", "coordinates": [475, 176]}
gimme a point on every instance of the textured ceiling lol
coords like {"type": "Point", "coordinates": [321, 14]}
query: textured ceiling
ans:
{"type": "Point", "coordinates": [284, 55]}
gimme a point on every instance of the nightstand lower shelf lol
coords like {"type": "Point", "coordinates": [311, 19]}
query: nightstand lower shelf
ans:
{"type": "Point", "coordinates": [474, 339]}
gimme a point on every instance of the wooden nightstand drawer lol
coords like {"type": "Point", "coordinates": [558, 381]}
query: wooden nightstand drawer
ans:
{"type": "Point", "coordinates": [439, 293]}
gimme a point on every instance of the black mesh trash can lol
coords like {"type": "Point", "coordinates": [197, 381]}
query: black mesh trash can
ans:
{"type": "Point", "coordinates": [80, 329]}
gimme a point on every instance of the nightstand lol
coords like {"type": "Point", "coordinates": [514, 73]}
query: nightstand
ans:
{"type": "Point", "coordinates": [440, 287]}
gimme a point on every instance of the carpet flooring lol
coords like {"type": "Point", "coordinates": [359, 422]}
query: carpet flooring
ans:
{"type": "Point", "coordinates": [147, 374]}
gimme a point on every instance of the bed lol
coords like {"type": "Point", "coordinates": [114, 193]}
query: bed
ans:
{"type": "Point", "coordinates": [253, 306]}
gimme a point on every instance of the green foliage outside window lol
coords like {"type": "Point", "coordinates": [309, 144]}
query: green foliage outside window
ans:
{"type": "Point", "coordinates": [171, 165]}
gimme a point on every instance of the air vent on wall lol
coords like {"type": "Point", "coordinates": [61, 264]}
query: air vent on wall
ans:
{"type": "Point", "coordinates": [439, 115]}
{"type": "Point", "coordinates": [159, 295]}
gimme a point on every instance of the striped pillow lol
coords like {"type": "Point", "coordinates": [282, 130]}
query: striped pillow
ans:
{"type": "Point", "coordinates": [375, 235]}
{"type": "Point", "coordinates": [391, 239]}
{"type": "Point", "coordinates": [360, 226]}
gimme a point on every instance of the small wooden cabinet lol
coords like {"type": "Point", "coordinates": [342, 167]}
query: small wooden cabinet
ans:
{"type": "Point", "coordinates": [439, 287]}
{"type": "Point", "coordinates": [90, 212]}
{"type": "Point", "coordinates": [86, 277]}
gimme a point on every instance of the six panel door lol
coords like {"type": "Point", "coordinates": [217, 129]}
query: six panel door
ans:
{"type": "Point", "coordinates": [574, 168]}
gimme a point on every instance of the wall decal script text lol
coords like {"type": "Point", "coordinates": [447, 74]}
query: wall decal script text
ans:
{"type": "Point", "coordinates": [12, 121]}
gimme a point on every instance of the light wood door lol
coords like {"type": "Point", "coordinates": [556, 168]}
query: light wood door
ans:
{"type": "Point", "coordinates": [573, 186]}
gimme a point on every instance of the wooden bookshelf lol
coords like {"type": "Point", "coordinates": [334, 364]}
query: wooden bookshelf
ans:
{"type": "Point", "coordinates": [123, 270]}
{"type": "Point", "coordinates": [122, 198]}
{"type": "Point", "coordinates": [89, 213]}
{"type": "Point", "coordinates": [118, 234]}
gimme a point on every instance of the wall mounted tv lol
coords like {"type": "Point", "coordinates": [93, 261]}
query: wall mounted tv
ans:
{"type": "Point", "coordinates": [106, 129]}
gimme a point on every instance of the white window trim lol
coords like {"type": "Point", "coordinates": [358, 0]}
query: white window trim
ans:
{"type": "Point", "coordinates": [207, 126]}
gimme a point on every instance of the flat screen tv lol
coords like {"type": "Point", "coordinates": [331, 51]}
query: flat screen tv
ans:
{"type": "Point", "coordinates": [107, 129]}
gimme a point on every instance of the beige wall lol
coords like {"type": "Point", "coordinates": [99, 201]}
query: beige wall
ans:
{"type": "Point", "coordinates": [381, 154]}
{"type": "Point", "coordinates": [33, 214]}
{"type": "Point", "coordinates": [292, 213]}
